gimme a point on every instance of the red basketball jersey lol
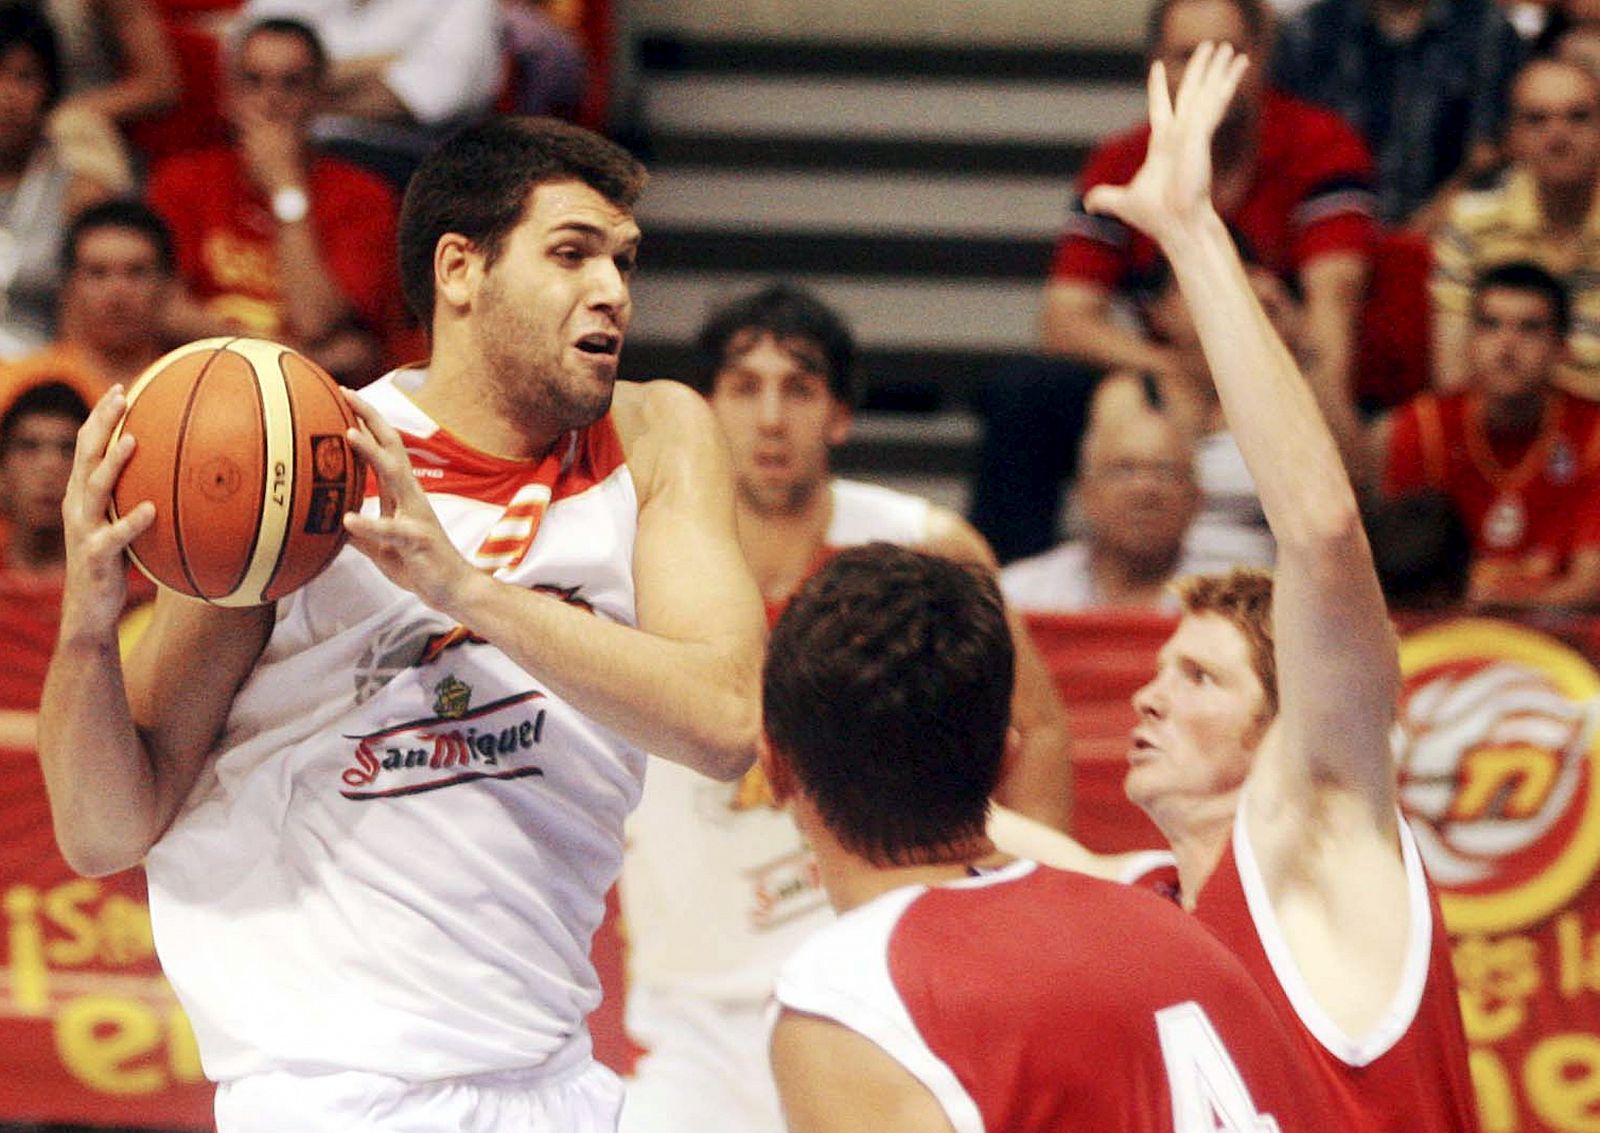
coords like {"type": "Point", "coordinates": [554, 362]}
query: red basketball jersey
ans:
{"type": "Point", "coordinates": [1409, 1074]}
{"type": "Point", "coordinates": [1033, 1000]}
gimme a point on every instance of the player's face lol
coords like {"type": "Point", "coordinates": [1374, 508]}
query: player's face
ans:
{"type": "Point", "coordinates": [780, 419]}
{"type": "Point", "coordinates": [274, 78]}
{"type": "Point", "coordinates": [550, 312]}
{"type": "Point", "coordinates": [1200, 719]}
{"type": "Point", "coordinates": [1555, 124]}
{"type": "Point", "coordinates": [1514, 345]}
{"type": "Point", "coordinates": [115, 289]}
{"type": "Point", "coordinates": [34, 470]}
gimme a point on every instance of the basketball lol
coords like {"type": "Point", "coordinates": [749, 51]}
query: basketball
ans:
{"type": "Point", "coordinates": [241, 447]}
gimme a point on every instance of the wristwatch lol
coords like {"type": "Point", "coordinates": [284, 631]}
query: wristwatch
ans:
{"type": "Point", "coordinates": [290, 205]}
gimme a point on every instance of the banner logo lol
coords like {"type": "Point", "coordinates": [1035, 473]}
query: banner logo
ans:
{"type": "Point", "coordinates": [1497, 749]}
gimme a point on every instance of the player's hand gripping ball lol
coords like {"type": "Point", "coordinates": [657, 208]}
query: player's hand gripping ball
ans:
{"type": "Point", "coordinates": [242, 449]}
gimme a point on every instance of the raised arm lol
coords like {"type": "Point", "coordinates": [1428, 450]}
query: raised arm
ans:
{"type": "Point", "coordinates": [685, 685]}
{"type": "Point", "coordinates": [118, 758]}
{"type": "Point", "coordinates": [1335, 651]}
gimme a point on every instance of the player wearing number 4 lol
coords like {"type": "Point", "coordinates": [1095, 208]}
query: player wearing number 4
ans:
{"type": "Point", "coordinates": [958, 991]}
{"type": "Point", "coordinates": [1261, 747]}
{"type": "Point", "coordinates": [379, 820]}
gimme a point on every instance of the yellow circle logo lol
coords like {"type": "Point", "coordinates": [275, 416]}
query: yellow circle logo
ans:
{"type": "Point", "coordinates": [1497, 751]}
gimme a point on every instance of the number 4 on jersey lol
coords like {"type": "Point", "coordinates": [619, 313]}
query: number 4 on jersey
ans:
{"type": "Point", "coordinates": [1208, 1095]}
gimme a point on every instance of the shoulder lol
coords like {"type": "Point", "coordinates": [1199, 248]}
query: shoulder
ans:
{"type": "Point", "coordinates": [1117, 158]}
{"type": "Point", "coordinates": [183, 168]}
{"type": "Point", "coordinates": [1313, 142]}
{"type": "Point", "coordinates": [1051, 582]}
{"type": "Point", "coordinates": [665, 429]}
{"type": "Point", "coordinates": [1471, 213]}
{"type": "Point", "coordinates": [335, 175]}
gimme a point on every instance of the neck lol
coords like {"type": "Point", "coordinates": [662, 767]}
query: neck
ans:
{"type": "Point", "coordinates": [36, 550]}
{"type": "Point", "coordinates": [1566, 207]}
{"type": "Point", "coordinates": [1513, 417]}
{"type": "Point", "coordinates": [459, 395]}
{"type": "Point", "coordinates": [852, 881]}
{"type": "Point", "coordinates": [780, 545]}
{"type": "Point", "coordinates": [1121, 580]}
{"type": "Point", "coordinates": [1236, 145]}
{"type": "Point", "coordinates": [1197, 836]}
{"type": "Point", "coordinates": [112, 363]}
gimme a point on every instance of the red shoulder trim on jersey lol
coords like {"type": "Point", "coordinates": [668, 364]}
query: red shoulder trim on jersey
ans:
{"type": "Point", "coordinates": [599, 453]}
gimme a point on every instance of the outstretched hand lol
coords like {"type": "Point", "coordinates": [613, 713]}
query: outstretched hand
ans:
{"type": "Point", "coordinates": [405, 540]}
{"type": "Point", "coordinates": [1173, 187]}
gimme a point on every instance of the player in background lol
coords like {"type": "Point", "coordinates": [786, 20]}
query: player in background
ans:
{"type": "Point", "coordinates": [718, 886]}
{"type": "Point", "coordinates": [366, 938]}
{"type": "Point", "coordinates": [1261, 748]}
{"type": "Point", "coordinates": [957, 991]}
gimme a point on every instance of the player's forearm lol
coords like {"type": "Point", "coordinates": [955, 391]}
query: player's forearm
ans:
{"type": "Point", "coordinates": [99, 777]}
{"type": "Point", "coordinates": [694, 702]}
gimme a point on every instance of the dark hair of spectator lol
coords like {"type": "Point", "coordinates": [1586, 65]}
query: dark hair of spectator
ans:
{"type": "Point", "coordinates": [1521, 275]}
{"type": "Point", "coordinates": [1422, 550]}
{"type": "Point", "coordinates": [25, 25]}
{"type": "Point", "coordinates": [1257, 21]}
{"type": "Point", "coordinates": [478, 183]}
{"type": "Point", "coordinates": [47, 399]}
{"type": "Point", "coordinates": [283, 25]}
{"type": "Point", "coordinates": [132, 215]}
{"type": "Point", "coordinates": [887, 690]}
{"type": "Point", "coordinates": [794, 317]}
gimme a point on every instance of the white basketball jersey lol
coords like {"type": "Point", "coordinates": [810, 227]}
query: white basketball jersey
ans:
{"type": "Point", "coordinates": [718, 888]}
{"type": "Point", "coordinates": [398, 856]}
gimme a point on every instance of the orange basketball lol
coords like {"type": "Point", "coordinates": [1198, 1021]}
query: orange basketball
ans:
{"type": "Point", "coordinates": [242, 449]}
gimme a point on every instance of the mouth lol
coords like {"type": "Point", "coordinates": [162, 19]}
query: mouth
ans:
{"type": "Point", "coordinates": [1139, 748]}
{"type": "Point", "coordinates": [600, 344]}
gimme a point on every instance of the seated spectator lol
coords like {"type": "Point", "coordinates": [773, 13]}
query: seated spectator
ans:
{"type": "Point", "coordinates": [1424, 83]}
{"type": "Point", "coordinates": [1519, 458]}
{"type": "Point", "coordinates": [1544, 213]}
{"type": "Point", "coordinates": [1294, 180]}
{"type": "Point", "coordinates": [275, 238]}
{"type": "Point", "coordinates": [1137, 497]}
{"type": "Point", "coordinates": [42, 183]}
{"type": "Point", "coordinates": [403, 73]}
{"type": "Point", "coordinates": [119, 272]}
{"type": "Point", "coordinates": [548, 63]}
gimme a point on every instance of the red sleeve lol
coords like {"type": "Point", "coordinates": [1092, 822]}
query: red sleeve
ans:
{"type": "Point", "coordinates": [1096, 249]}
{"type": "Point", "coordinates": [1404, 470]}
{"type": "Point", "coordinates": [1336, 211]}
{"type": "Point", "coordinates": [357, 233]}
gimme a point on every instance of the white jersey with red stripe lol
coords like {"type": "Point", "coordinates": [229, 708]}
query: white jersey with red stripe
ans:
{"type": "Point", "coordinates": [717, 889]}
{"type": "Point", "coordinates": [397, 857]}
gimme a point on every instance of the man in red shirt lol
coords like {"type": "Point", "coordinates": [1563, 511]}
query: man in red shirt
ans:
{"type": "Point", "coordinates": [1261, 748]}
{"type": "Point", "coordinates": [1294, 181]}
{"type": "Point", "coordinates": [274, 239]}
{"type": "Point", "coordinates": [1519, 458]}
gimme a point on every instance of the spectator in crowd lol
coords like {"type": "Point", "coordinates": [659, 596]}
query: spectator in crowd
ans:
{"type": "Point", "coordinates": [1137, 497]}
{"type": "Point", "coordinates": [1570, 30]}
{"type": "Point", "coordinates": [402, 73]}
{"type": "Point", "coordinates": [717, 884]}
{"type": "Point", "coordinates": [42, 182]}
{"type": "Point", "coordinates": [1422, 550]}
{"type": "Point", "coordinates": [958, 990]}
{"type": "Point", "coordinates": [1544, 213]}
{"type": "Point", "coordinates": [1518, 457]}
{"type": "Point", "coordinates": [275, 238]}
{"type": "Point", "coordinates": [548, 63]}
{"type": "Point", "coordinates": [1293, 180]}
{"type": "Point", "coordinates": [1424, 81]}
{"type": "Point", "coordinates": [118, 261]}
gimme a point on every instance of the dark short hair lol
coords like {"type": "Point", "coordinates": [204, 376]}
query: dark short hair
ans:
{"type": "Point", "coordinates": [887, 689]}
{"type": "Point", "coordinates": [1257, 21]}
{"type": "Point", "coordinates": [25, 25]}
{"type": "Point", "coordinates": [285, 25]}
{"type": "Point", "coordinates": [1522, 275]}
{"type": "Point", "coordinates": [789, 314]}
{"type": "Point", "coordinates": [477, 183]}
{"type": "Point", "coordinates": [1422, 549]}
{"type": "Point", "coordinates": [46, 399]}
{"type": "Point", "coordinates": [125, 213]}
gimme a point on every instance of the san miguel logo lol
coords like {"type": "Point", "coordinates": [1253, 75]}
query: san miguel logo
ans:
{"type": "Point", "coordinates": [1497, 748]}
{"type": "Point", "coordinates": [459, 744]}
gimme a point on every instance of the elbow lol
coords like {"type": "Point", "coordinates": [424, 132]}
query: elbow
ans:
{"type": "Point", "coordinates": [1331, 530]}
{"type": "Point", "coordinates": [734, 752]}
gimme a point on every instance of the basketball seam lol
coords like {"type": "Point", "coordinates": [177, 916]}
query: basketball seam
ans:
{"type": "Point", "coordinates": [294, 477]}
{"type": "Point", "coordinates": [182, 470]}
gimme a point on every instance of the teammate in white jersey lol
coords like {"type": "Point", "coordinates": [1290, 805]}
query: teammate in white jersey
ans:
{"type": "Point", "coordinates": [380, 817]}
{"type": "Point", "coordinates": [718, 885]}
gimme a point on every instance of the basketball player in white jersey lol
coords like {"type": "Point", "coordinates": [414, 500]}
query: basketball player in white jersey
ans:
{"type": "Point", "coordinates": [718, 885]}
{"type": "Point", "coordinates": [380, 817]}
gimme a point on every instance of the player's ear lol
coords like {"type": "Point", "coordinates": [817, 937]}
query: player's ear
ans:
{"type": "Point", "coordinates": [840, 419]}
{"type": "Point", "coordinates": [780, 777]}
{"type": "Point", "coordinates": [457, 268]}
{"type": "Point", "coordinates": [1010, 754]}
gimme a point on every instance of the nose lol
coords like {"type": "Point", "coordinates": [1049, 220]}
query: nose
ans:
{"type": "Point", "coordinates": [1147, 699]}
{"type": "Point", "coordinates": [609, 287]}
{"type": "Point", "coordinates": [769, 408]}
